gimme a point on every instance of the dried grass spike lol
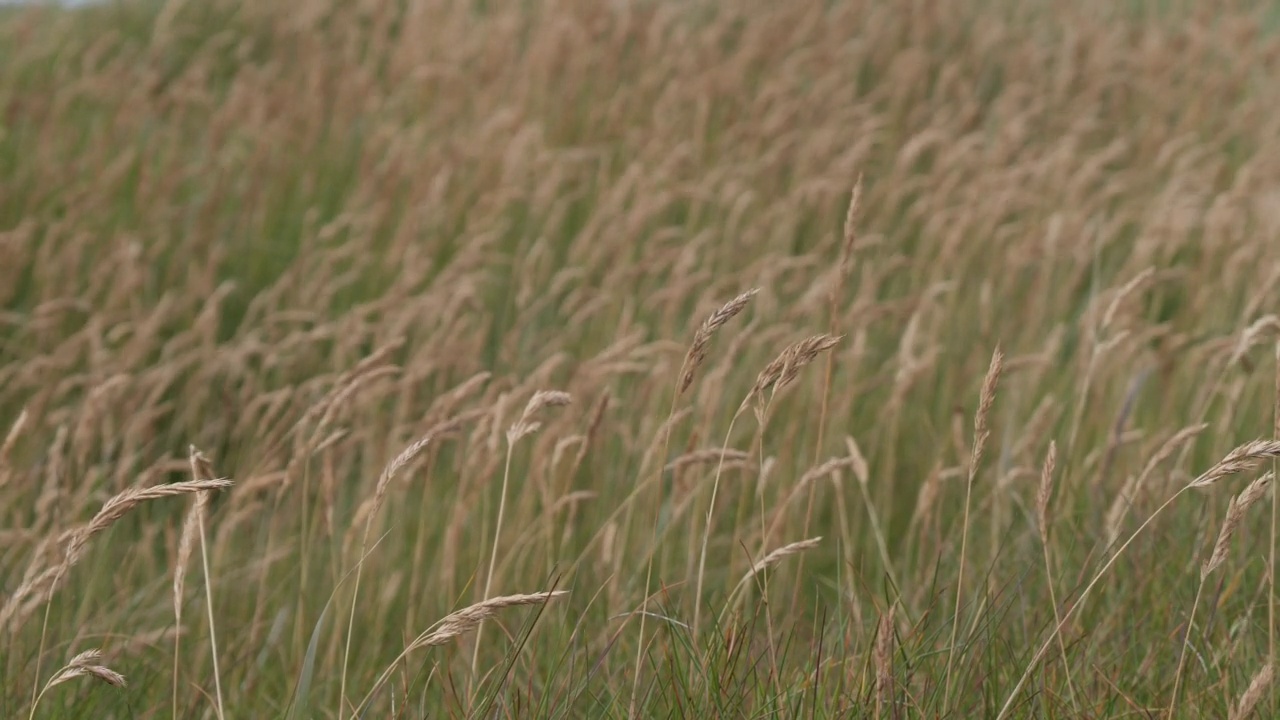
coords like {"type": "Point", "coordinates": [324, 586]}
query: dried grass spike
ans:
{"type": "Point", "coordinates": [981, 430]}
{"type": "Point", "coordinates": [1109, 315]}
{"type": "Point", "coordinates": [1245, 457]}
{"type": "Point", "coordinates": [1236, 510]}
{"type": "Point", "coordinates": [1129, 491]}
{"type": "Point", "coordinates": [1045, 491]}
{"type": "Point", "coordinates": [1250, 337]}
{"type": "Point", "coordinates": [703, 457]}
{"type": "Point", "coordinates": [455, 624]}
{"type": "Point", "coordinates": [883, 657]}
{"type": "Point", "coordinates": [820, 471]}
{"type": "Point", "coordinates": [7, 446]}
{"type": "Point", "coordinates": [86, 664]}
{"type": "Point", "coordinates": [369, 508]}
{"type": "Point", "coordinates": [861, 470]}
{"type": "Point", "coordinates": [850, 227]}
{"type": "Point", "coordinates": [466, 619]}
{"type": "Point", "coordinates": [776, 556]}
{"type": "Point", "coordinates": [702, 338]}
{"type": "Point", "coordinates": [803, 353]}
{"type": "Point", "coordinates": [526, 425]}
{"type": "Point", "coordinates": [787, 366]}
{"type": "Point", "coordinates": [1257, 687]}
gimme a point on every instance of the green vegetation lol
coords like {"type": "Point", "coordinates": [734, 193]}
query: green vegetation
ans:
{"type": "Point", "coordinates": [457, 296]}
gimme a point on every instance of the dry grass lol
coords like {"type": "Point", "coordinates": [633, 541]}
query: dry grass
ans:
{"type": "Point", "coordinates": [309, 237]}
{"type": "Point", "coordinates": [1257, 687]}
{"type": "Point", "coordinates": [85, 664]}
{"type": "Point", "coordinates": [774, 557]}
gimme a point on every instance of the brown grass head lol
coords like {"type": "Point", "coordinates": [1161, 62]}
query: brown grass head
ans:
{"type": "Point", "coordinates": [776, 556]}
{"type": "Point", "coordinates": [343, 388]}
{"type": "Point", "coordinates": [787, 366]}
{"type": "Point", "coordinates": [1243, 458]}
{"type": "Point", "coordinates": [87, 664]}
{"type": "Point", "coordinates": [6, 448]}
{"type": "Point", "coordinates": [882, 657]}
{"type": "Point", "coordinates": [1257, 688]}
{"type": "Point", "coordinates": [1108, 316]}
{"type": "Point", "coordinates": [861, 470]}
{"type": "Point", "coordinates": [702, 338]}
{"type": "Point", "coordinates": [850, 228]}
{"type": "Point", "coordinates": [707, 456]}
{"type": "Point", "coordinates": [1251, 337]}
{"type": "Point", "coordinates": [42, 584]}
{"type": "Point", "coordinates": [1124, 499]}
{"type": "Point", "coordinates": [369, 508]}
{"type": "Point", "coordinates": [526, 425]}
{"type": "Point", "coordinates": [829, 467]}
{"type": "Point", "coordinates": [1236, 510]}
{"type": "Point", "coordinates": [1045, 491]}
{"type": "Point", "coordinates": [464, 620]}
{"type": "Point", "coordinates": [981, 429]}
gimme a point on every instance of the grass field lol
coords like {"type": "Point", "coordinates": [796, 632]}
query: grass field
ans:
{"type": "Point", "coordinates": [579, 359]}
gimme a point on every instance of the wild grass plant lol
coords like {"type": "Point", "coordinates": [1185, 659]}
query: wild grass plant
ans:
{"type": "Point", "coordinates": [573, 359]}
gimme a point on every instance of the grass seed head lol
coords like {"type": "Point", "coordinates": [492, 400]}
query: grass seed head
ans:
{"type": "Point", "coordinates": [702, 338]}
{"type": "Point", "coordinates": [1257, 688]}
{"type": "Point", "coordinates": [87, 664]}
{"type": "Point", "coordinates": [1045, 491]}
{"type": "Point", "coordinates": [1243, 458]}
{"type": "Point", "coordinates": [466, 619]}
{"type": "Point", "coordinates": [987, 398]}
{"type": "Point", "coordinates": [526, 425]}
{"type": "Point", "coordinates": [787, 366]}
{"type": "Point", "coordinates": [1236, 509]}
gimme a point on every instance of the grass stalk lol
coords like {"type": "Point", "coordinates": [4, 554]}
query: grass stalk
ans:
{"type": "Point", "coordinates": [986, 399]}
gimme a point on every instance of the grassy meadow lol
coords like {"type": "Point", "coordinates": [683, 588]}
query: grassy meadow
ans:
{"type": "Point", "coordinates": [639, 359]}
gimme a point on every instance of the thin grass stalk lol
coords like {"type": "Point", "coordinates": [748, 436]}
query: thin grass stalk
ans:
{"type": "Point", "coordinates": [6, 447]}
{"type": "Point", "coordinates": [833, 319]}
{"type": "Point", "coordinates": [980, 432]}
{"type": "Point", "coordinates": [706, 531]}
{"type": "Point", "coordinates": [213, 634]}
{"type": "Point", "coordinates": [525, 426]}
{"type": "Point", "coordinates": [191, 528]}
{"type": "Point", "coordinates": [1043, 496]}
{"type": "Point", "coordinates": [493, 561]}
{"type": "Point", "coordinates": [860, 472]}
{"type": "Point", "coordinates": [762, 419]}
{"type": "Point", "coordinates": [1186, 645]}
{"type": "Point", "coordinates": [784, 370]}
{"type": "Point", "coordinates": [1275, 521]}
{"type": "Point", "coordinates": [379, 495]}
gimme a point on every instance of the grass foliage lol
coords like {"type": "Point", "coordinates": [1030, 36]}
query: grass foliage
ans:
{"type": "Point", "coordinates": [642, 358]}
